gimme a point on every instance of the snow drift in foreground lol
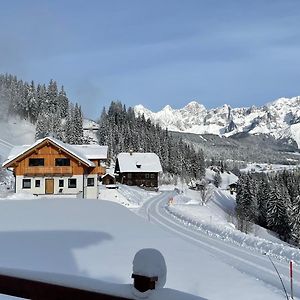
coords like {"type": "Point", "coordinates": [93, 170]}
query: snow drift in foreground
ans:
{"type": "Point", "coordinates": [90, 242]}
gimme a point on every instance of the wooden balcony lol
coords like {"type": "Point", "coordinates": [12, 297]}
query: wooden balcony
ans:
{"type": "Point", "coordinates": [97, 170]}
{"type": "Point", "coordinates": [48, 171]}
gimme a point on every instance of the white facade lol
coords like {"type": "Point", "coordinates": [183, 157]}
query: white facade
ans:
{"type": "Point", "coordinates": [61, 185]}
{"type": "Point", "coordinates": [91, 191]}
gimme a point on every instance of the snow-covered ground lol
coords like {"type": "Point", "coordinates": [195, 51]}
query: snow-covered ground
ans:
{"type": "Point", "coordinates": [227, 177]}
{"type": "Point", "coordinates": [130, 196]}
{"type": "Point", "coordinates": [96, 240]}
{"type": "Point", "coordinates": [91, 243]}
{"type": "Point", "coordinates": [217, 219]}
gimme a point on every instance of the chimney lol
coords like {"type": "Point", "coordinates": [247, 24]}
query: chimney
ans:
{"type": "Point", "coordinates": [130, 151]}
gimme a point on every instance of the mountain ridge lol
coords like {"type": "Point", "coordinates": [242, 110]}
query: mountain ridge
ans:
{"type": "Point", "coordinates": [279, 118]}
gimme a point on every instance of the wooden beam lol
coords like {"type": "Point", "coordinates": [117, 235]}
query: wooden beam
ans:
{"type": "Point", "coordinates": [36, 290]}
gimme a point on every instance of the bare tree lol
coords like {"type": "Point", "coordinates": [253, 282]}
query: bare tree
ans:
{"type": "Point", "coordinates": [206, 191]}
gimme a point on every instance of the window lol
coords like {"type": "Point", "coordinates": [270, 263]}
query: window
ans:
{"type": "Point", "coordinates": [60, 162]}
{"type": "Point", "coordinates": [37, 183]}
{"type": "Point", "coordinates": [34, 162]}
{"type": "Point", "coordinates": [26, 183]}
{"type": "Point", "coordinates": [61, 183]}
{"type": "Point", "coordinates": [152, 176]}
{"type": "Point", "coordinates": [129, 175]}
{"type": "Point", "coordinates": [72, 183]}
{"type": "Point", "coordinates": [146, 175]}
{"type": "Point", "coordinates": [90, 182]}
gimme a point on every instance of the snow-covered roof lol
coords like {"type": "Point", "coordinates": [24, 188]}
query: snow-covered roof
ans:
{"type": "Point", "coordinates": [139, 162]}
{"type": "Point", "coordinates": [82, 152]}
{"type": "Point", "coordinates": [92, 151]}
{"type": "Point", "coordinates": [108, 174]}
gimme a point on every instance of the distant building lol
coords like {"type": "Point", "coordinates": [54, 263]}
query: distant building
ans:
{"type": "Point", "coordinates": [108, 179]}
{"type": "Point", "coordinates": [50, 166]}
{"type": "Point", "coordinates": [136, 168]}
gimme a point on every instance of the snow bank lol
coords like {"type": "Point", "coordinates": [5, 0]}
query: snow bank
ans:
{"type": "Point", "coordinates": [280, 251]}
{"type": "Point", "coordinates": [130, 196]}
{"type": "Point", "coordinates": [135, 196]}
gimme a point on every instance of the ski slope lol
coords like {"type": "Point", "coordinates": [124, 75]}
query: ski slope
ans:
{"type": "Point", "coordinates": [13, 132]}
{"type": "Point", "coordinates": [246, 261]}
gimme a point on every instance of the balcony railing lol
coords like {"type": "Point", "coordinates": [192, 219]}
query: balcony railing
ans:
{"type": "Point", "coordinates": [30, 171]}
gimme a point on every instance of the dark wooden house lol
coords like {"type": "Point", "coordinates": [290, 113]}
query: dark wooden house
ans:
{"type": "Point", "coordinates": [136, 168]}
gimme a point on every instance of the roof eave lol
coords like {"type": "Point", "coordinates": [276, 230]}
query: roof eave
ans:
{"type": "Point", "coordinates": [7, 163]}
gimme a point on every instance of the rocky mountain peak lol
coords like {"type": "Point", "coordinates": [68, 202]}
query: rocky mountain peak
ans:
{"type": "Point", "coordinates": [280, 118]}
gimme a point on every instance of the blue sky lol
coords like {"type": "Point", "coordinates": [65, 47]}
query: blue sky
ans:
{"type": "Point", "coordinates": [155, 52]}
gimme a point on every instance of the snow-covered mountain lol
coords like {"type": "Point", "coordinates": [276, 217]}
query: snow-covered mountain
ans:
{"type": "Point", "coordinates": [280, 118]}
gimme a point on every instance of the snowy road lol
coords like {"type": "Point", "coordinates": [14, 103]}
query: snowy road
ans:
{"type": "Point", "coordinates": [246, 261]}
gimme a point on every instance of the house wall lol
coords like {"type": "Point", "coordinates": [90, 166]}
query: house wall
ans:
{"type": "Point", "coordinates": [91, 192]}
{"type": "Point", "coordinates": [139, 179]}
{"type": "Point", "coordinates": [41, 190]}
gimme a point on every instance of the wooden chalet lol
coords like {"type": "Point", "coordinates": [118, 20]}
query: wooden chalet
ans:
{"type": "Point", "coordinates": [136, 168]}
{"type": "Point", "coordinates": [108, 179]}
{"type": "Point", "coordinates": [50, 166]}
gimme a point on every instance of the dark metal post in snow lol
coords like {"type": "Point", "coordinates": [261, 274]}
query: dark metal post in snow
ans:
{"type": "Point", "coordinates": [284, 289]}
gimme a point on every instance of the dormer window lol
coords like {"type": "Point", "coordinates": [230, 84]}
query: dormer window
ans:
{"type": "Point", "coordinates": [138, 165]}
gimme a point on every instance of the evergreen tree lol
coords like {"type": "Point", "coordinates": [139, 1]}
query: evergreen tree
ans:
{"type": "Point", "coordinates": [246, 201]}
{"type": "Point", "coordinates": [278, 213]}
{"type": "Point", "coordinates": [69, 126]}
{"type": "Point", "coordinates": [42, 127]}
{"type": "Point", "coordinates": [217, 179]}
{"type": "Point", "coordinates": [51, 97]}
{"type": "Point", "coordinates": [78, 125]}
{"type": "Point", "coordinates": [63, 103]}
{"type": "Point", "coordinates": [295, 224]}
{"type": "Point", "coordinates": [262, 200]}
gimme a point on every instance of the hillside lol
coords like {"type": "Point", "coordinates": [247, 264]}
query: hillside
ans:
{"type": "Point", "coordinates": [244, 147]}
{"type": "Point", "coordinates": [15, 131]}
